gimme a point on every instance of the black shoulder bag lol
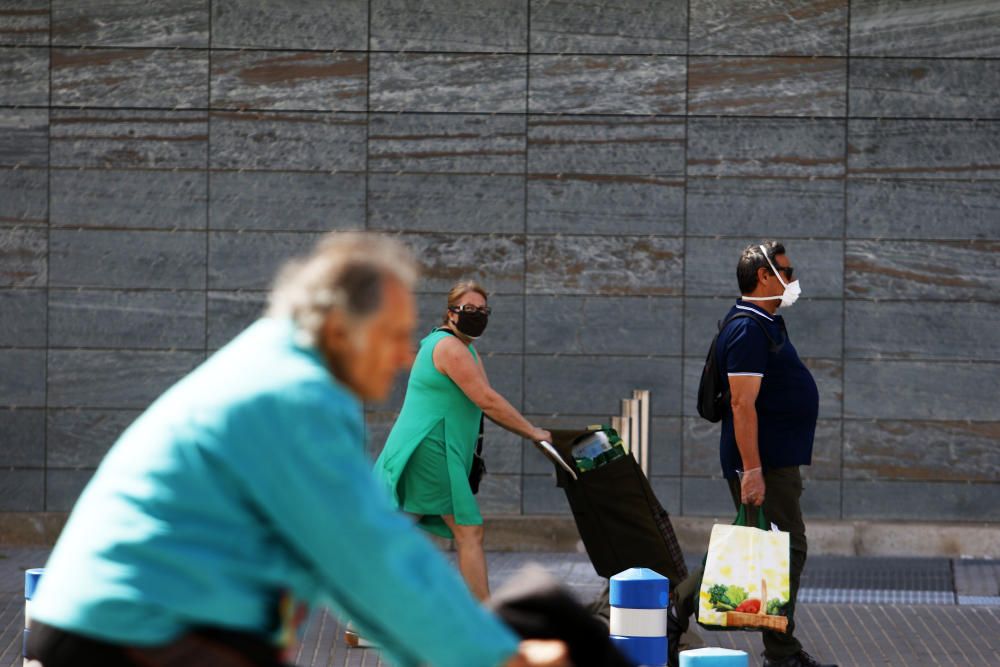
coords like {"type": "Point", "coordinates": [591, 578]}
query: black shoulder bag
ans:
{"type": "Point", "coordinates": [478, 468]}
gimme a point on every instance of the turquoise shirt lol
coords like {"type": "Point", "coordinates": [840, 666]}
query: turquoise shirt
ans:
{"type": "Point", "coordinates": [244, 485]}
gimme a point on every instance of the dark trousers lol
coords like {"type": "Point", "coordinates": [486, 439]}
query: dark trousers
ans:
{"type": "Point", "coordinates": [783, 489]}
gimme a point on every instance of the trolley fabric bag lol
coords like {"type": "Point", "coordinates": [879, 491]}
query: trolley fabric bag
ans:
{"type": "Point", "coordinates": [746, 583]}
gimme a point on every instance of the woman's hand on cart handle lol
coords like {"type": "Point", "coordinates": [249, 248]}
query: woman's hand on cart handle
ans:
{"type": "Point", "coordinates": [541, 653]}
{"type": "Point", "coordinates": [541, 434]}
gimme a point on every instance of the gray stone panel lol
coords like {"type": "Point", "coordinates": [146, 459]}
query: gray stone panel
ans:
{"type": "Point", "coordinates": [23, 322]}
{"type": "Point", "coordinates": [286, 201]}
{"type": "Point", "coordinates": [121, 78]}
{"type": "Point", "coordinates": [496, 261]}
{"type": "Point", "coordinates": [821, 499]}
{"type": "Point", "coordinates": [499, 494]}
{"type": "Point", "coordinates": [131, 260]}
{"type": "Point", "coordinates": [542, 496]}
{"type": "Point", "coordinates": [505, 333]}
{"type": "Point", "coordinates": [604, 265]}
{"type": "Point", "coordinates": [597, 325]}
{"type": "Point", "coordinates": [921, 390]}
{"type": "Point", "coordinates": [24, 138]}
{"type": "Point", "coordinates": [229, 313]}
{"type": "Point", "coordinates": [766, 147]}
{"type": "Point", "coordinates": [769, 27]}
{"type": "Point", "coordinates": [25, 76]}
{"type": "Point", "coordinates": [135, 199]}
{"type": "Point", "coordinates": [126, 319]}
{"type": "Point", "coordinates": [603, 84]}
{"type": "Point", "coordinates": [22, 378]}
{"type": "Point", "coordinates": [24, 22]}
{"type": "Point", "coordinates": [923, 149]}
{"type": "Point", "coordinates": [665, 447]}
{"type": "Point", "coordinates": [769, 208]}
{"type": "Point", "coordinates": [63, 487]}
{"type": "Point", "coordinates": [609, 26]}
{"type": "Point", "coordinates": [925, 88]}
{"type": "Point", "coordinates": [129, 139]}
{"type": "Point", "coordinates": [23, 257]}
{"type": "Point", "coordinates": [828, 447]}
{"type": "Point", "coordinates": [502, 451]}
{"type": "Point", "coordinates": [24, 195]}
{"type": "Point", "coordinates": [449, 25]}
{"type": "Point", "coordinates": [295, 141]}
{"type": "Point", "coordinates": [922, 209]}
{"type": "Point", "coordinates": [290, 24]}
{"type": "Point", "coordinates": [114, 378]}
{"type": "Point", "coordinates": [921, 501]}
{"type": "Point", "coordinates": [925, 28]}
{"type": "Point", "coordinates": [22, 490]}
{"type": "Point", "coordinates": [22, 433]}
{"type": "Point", "coordinates": [701, 496]}
{"type": "Point", "coordinates": [922, 269]}
{"type": "Point", "coordinates": [446, 143]}
{"type": "Point", "coordinates": [922, 330]}
{"type": "Point", "coordinates": [81, 438]}
{"type": "Point", "coordinates": [130, 23]}
{"type": "Point", "coordinates": [955, 451]}
{"type": "Point", "coordinates": [711, 267]}
{"type": "Point", "coordinates": [250, 260]}
{"type": "Point", "coordinates": [447, 83]}
{"type": "Point", "coordinates": [586, 385]}
{"type": "Point", "coordinates": [744, 86]}
{"type": "Point", "coordinates": [668, 491]}
{"type": "Point", "coordinates": [296, 80]}
{"type": "Point", "coordinates": [446, 203]}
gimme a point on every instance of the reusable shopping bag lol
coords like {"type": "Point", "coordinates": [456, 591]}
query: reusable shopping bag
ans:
{"type": "Point", "coordinates": [746, 581]}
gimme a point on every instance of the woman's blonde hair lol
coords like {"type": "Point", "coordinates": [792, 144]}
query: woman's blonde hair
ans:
{"type": "Point", "coordinates": [460, 289]}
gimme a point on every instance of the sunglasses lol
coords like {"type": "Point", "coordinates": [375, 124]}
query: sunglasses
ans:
{"type": "Point", "coordinates": [788, 271]}
{"type": "Point", "coordinates": [469, 308]}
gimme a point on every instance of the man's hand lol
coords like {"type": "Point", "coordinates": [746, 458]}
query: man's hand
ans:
{"type": "Point", "coordinates": [541, 653]}
{"type": "Point", "coordinates": [752, 487]}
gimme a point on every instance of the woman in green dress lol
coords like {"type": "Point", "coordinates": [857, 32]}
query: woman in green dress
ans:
{"type": "Point", "coordinates": [426, 460]}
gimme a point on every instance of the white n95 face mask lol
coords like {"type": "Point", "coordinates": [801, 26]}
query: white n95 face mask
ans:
{"type": "Point", "coordinates": [792, 290]}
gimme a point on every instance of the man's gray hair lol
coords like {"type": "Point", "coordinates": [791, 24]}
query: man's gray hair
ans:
{"type": "Point", "coordinates": [346, 271]}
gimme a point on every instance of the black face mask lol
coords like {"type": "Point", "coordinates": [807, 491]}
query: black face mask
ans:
{"type": "Point", "coordinates": [472, 323]}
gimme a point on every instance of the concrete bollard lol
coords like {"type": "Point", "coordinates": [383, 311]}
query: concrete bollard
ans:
{"type": "Point", "coordinates": [31, 578]}
{"type": "Point", "coordinates": [639, 598]}
{"type": "Point", "coordinates": [712, 656]}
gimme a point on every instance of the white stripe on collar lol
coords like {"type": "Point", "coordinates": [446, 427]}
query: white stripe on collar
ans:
{"type": "Point", "coordinates": [755, 310]}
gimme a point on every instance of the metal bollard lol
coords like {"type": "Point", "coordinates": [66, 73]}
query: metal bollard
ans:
{"type": "Point", "coordinates": [31, 578]}
{"type": "Point", "coordinates": [639, 598]}
{"type": "Point", "coordinates": [712, 656]}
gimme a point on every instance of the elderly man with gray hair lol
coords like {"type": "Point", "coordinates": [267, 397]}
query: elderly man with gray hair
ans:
{"type": "Point", "coordinates": [243, 496]}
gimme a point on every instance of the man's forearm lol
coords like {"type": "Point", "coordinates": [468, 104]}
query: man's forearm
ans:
{"type": "Point", "coordinates": [745, 430]}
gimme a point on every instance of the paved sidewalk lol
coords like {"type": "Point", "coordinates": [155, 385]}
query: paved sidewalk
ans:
{"type": "Point", "coordinates": [937, 611]}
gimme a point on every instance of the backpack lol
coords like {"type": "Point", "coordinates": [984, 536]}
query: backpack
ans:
{"type": "Point", "coordinates": [713, 390]}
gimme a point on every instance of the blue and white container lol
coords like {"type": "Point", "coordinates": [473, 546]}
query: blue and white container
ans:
{"type": "Point", "coordinates": [31, 578]}
{"type": "Point", "coordinates": [639, 599]}
{"type": "Point", "coordinates": [712, 656]}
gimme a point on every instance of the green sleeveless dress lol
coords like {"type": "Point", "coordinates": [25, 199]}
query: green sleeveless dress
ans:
{"type": "Point", "coordinates": [426, 460]}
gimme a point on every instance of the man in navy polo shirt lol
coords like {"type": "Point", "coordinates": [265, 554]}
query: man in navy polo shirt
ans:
{"type": "Point", "coordinates": [768, 433]}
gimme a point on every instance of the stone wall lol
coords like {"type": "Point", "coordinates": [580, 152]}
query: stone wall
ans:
{"type": "Point", "coordinates": [599, 165]}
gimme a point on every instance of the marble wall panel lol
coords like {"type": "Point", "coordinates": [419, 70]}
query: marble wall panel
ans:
{"type": "Point", "coordinates": [24, 195]}
{"type": "Point", "coordinates": [920, 501]}
{"type": "Point", "coordinates": [668, 491]}
{"type": "Point", "coordinates": [114, 378]}
{"type": "Point", "coordinates": [744, 86]}
{"type": "Point", "coordinates": [121, 78]}
{"type": "Point", "coordinates": [292, 80]}
{"type": "Point", "coordinates": [22, 378]}
{"type": "Point", "coordinates": [290, 24]}
{"type": "Point", "coordinates": [447, 83]}
{"type": "Point", "coordinates": [921, 269]}
{"type": "Point", "coordinates": [24, 260]}
{"type": "Point", "coordinates": [766, 148]}
{"type": "Point", "coordinates": [130, 23]}
{"type": "Point", "coordinates": [250, 260]}
{"type": "Point", "coordinates": [120, 139]}
{"type": "Point", "coordinates": [609, 26]}
{"type": "Point", "coordinates": [229, 313]}
{"type": "Point", "coordinates": [702, 496]}
{"type": "Point", "coordinates": [127, 259]}
{"type": "Point", "coordinates": [954, 451]}
{"type": "Point", "coordinates": [542, 496]}
{"type": "Point", "coordinates": [495, 260]}
{"type": "Point", "coordinates": [293, 141]}
{"type": "Point", "coordinates": [499, 493]}
{"type": "Point", "coordinates": [502, 451]}
{"type": "Point", "coordinates": [607, 84]}
{"type": "Point", "coordinates": [24, 22]}
{"type": "Point", "coordinates": [128, 199]}
{"type": "Point", "coordinates": [22, 433]}
{"type": "Point", "coordinates": [935, 149]}
{"type": "Point", "coordinates": [925, 28]}
{"type": "Point", "coordinates": [24, 317]}
{"type": "Point", "coordinates": [446, 143]}
{"type": "Point", "coordinates": [665, 446]}
{"type": "Point", "coordinates": [80, 438]}
{"type": "Point", "coordinates": [446, 203]}
{"type": "Point", "coordinates": [24, 138]}
{"type": "Point", "coordinates": [127, 319]}
{"type": "Point", "coordinates": [449, 25]}
{"type": "Point", "coordinates": [63, 487]}
{"type": "Point", "coordinates": [286, 201]}
{"type": "Point", "coordinates": [602, 204]}
{"type": "Point", "coordinates": [604, 265]}
{"type": "Point", "coordinates": [22, 490]}
{"type": "Point", "coordinates": [821, 499]}
{"type": "Point", "coordinates": [922, 209]}
{"type": "Point", "coordinates": [920, 390]}
{"type": "Point", "coordinates": [769, 27]}
{"type": "Point", "coordinates": [505, 333]}
{"type": "Point", "coordinates": [25, 75]}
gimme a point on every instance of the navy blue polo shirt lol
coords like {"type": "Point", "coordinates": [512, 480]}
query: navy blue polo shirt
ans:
{"type": "Point", "coordinates": [788, 402]}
